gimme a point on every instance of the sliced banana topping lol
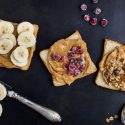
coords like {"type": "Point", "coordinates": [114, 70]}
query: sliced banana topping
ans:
{"type": "Point", "coordinates": [1, 110]}
{"type": "Point", "coordinates": [21, 54]}
{"type": "Point", "coordinates": [5, 46]}
{"type": "Point", "coordinates": [16, 62]}
{"type": "Point", "coordinates": [25, 26]}
{"type": "Point", "coordinates": [3, 92]}
{"type": "Point", "coordinates": [9, 36]}
{"type": "Point", "coordinates": [26, 39]}
{"type": "Point", "coordinates": [6, 27]}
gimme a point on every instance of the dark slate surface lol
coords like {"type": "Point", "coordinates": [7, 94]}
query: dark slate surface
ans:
{"type": "Point", "coordinates": [83, 103]}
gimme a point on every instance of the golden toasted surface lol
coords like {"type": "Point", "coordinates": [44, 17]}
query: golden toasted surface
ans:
{"type": "Point", "coordinates": [5, 59]}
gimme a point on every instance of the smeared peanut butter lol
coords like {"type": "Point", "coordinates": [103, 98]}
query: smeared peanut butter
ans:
{"type": "Point", "coordinates": [63, 47]}
{"type": "Point", "coordinates": [113, 69]}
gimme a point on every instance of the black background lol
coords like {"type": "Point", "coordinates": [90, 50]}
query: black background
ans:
{"type": "Point", "coordinates": [83, 103]}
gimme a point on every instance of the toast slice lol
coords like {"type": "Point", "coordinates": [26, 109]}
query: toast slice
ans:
{"type": "Point", "coordinates": [109, 46]}
{"type": "Point", "coordinates": [44, 57]}
{"type": "Point", "coordinates": [5, 60]}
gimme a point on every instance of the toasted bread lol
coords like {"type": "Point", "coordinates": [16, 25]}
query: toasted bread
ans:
{"type": "Point", "coordinates": [109, 46]}
{"type": "Point", "coordinates": [5, 60]}
{"type": "Point", "coordinates": [44, 56]}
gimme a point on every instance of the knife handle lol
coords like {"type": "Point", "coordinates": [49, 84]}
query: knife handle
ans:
{"type": "Point", "coordinates": [46, 112]}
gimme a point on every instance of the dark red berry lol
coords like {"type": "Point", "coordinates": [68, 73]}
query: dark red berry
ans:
{"type": "Point", "coordinates": [104, 22]}
{"type": "Point", "coordinates": [77, 72]}
{"type": "Point", "coordinates": [95, 1]}
{"type": "Point", "coordinates": [93, 21]}
{"type": "Point", "coordinates": [97, 11]}
{"type": "Point", "coordinates": [83, 7]}
{"type": "Point", "coordinates": [72, 60]}
{"type": "Point", "coordinates": [78, 65]}
{"type": "Point", "coordinates": [79, 50]}
{"type": "Point", "coordinates": [66, 66]}
{"type": "Point", "coordinates": [72, 67]}
{"type": "Point", "coordinates": [87, 17]}
{"type": "Point", "coordinates": [56, 57]}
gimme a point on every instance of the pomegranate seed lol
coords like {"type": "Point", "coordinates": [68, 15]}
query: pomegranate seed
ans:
{"type": "Point", "coordinates": [95, 1]}
{"type": "Point", "coordinates": [97, 11]}
{"type": "Point", "coordinates": [87, 17]}
{"type": "Point", "coordinates": [93, 21]}
{"type": "Point", "coordinates": [104, 22]}
{"type": "Point", "coordinates": [83, 7]}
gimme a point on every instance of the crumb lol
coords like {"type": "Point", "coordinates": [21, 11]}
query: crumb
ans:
{"type": "Point", "coordinates": [111, 118]}
{"type": "Point", "coordinates": [115, 116]}
{"type": "Point", "coordinates": [107, 120]}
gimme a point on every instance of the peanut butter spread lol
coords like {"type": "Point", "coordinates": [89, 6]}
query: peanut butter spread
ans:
{"type": "Point", "coordinates": [114, 68]}
{"type": "Point", "coordinates": [68, 60]}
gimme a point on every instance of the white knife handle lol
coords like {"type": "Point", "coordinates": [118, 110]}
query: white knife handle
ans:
{"type": "Point", "coordinates": [47, 113]}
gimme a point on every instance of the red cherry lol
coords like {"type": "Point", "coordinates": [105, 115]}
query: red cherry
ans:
{"type": "Point", "coordinates": [83, 7]}
{"type": "Point", "coordinates": [97, 11]}
{"type": "Point", "coordinates": [87, 17]}
{"type": "Point", "coordinates": [93, 21]}
{"type": "Point", "coordinates": [104, 22]}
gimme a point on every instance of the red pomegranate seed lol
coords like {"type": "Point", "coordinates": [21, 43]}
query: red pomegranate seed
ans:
{"type": "Point", "coordinates": [87, 17]}
{"type": "Point", "coordinates": [83, 7]}
{"type": "Point", "coordinates": [93, 21]}
{"type": "Point", "coordinates": [95, 1]}
{"type": "Point", "coordinates": [97, 11]}
{"type": "Point", "coordinates": [104, 22]}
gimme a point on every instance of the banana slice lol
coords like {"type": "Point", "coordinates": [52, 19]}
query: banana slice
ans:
{"type": "Point", "coordinates": [6, 27]}
{"type": "Point", "coordinates": [9, 36]}
{"type": "Point", "coordinates": [3, 92]}
{"type": "Point", "coordinates": [17, 63]}
{"type": "Point", "coordinates": [25, 26]}
{"type": "Point", "coordinates": [21, 54]}
{"type": "Point", "coordinates": [26, 39]}
{"type": "Point", "coordinates": [5, 46]}
{"type": "Point", "coordinates": [1, 110]}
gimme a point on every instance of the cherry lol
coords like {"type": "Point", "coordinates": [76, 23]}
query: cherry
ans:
{"type": "Point", "coordinates": [104, 22]}
{"type": "Point", "coordinates": [93, 21]}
